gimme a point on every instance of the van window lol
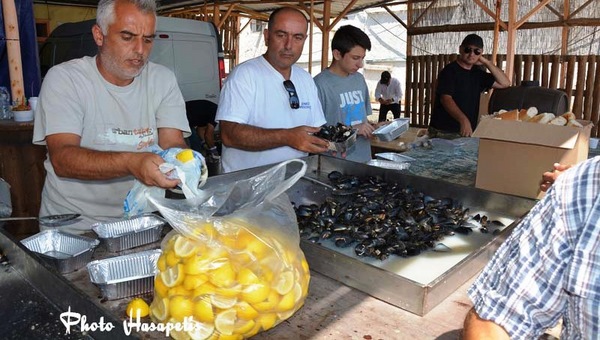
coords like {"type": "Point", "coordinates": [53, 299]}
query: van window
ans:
{"type": "Point", "coordinates": [200, 53]}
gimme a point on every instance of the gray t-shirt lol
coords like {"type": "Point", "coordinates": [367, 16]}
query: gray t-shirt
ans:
{"type": "Point", "coordinates": [346, 100]}
{"type": "Point", "coordinates": [76, 99]}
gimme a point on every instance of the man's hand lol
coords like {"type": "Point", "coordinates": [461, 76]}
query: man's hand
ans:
{"type": "Point", "coordinates": [144, 167]}
{"type": "Point", "coordinates": [549, 177]}
{"type": "Point", "coordinates": [364, 129]}
{"type": "Point", "coordinates": [301, 138]}
{"type": "Point", "coordinates": [465, 128]}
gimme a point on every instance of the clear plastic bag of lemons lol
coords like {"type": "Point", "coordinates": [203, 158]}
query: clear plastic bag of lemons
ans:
{"type": "Point", "coordinates": [235, 275]}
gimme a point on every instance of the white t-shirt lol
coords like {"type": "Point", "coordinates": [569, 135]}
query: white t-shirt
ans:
{"type": "Point", "coordinates": [76, 99]}
{"type": "Point", "coordinates": [254, 95]}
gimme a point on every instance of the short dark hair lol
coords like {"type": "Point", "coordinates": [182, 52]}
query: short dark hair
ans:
{"type": "Point", "coordinates": [276, 12]}
{"type": "Point", "coordinates": [472, 40]}
{"type": "Point", "coordinates": [347, 37]}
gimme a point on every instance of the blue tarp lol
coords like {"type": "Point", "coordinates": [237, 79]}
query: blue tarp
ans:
{"type": "Point", "coordinates": [29, 49]}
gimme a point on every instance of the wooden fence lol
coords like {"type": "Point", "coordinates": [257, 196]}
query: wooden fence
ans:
{"type": "Point", "coordinates": [577, 76]}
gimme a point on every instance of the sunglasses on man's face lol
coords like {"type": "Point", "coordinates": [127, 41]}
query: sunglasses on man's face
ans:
{"type": "Point", "coordinates": [468, 50]}
{"type": "Point", "coordinates": [291, 90]}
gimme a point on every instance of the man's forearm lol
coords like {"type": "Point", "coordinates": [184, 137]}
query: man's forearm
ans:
{"type": "Point", "coordinates": [450, 106]}
{"type": "Point", "coordinates": [252, 138]}
{"type": "Point", "coordinates": [498, 74]}
{"type": "Point", "coordinates": [478, 328]}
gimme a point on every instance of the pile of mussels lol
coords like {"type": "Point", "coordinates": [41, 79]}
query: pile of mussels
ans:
{"type": "Point", "coordinates": [381, 219]}
{"type": "Point", "coordinates": [335, 133]}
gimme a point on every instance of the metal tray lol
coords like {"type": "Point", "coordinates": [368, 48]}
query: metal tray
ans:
{"type": "Point", "coordinates": [382, 163]}
{"type": "Point", "coordinates": [394, 156]}
{"type": "Point", "coordinates": [129, 233]}
{"type": "Point", "coordinates": [345, 145]}
{"type": "Point", "coordinates": [125, 275]}
{"type": "Point", "coordinates": [66, 252]}
{"type": "Point", "coordinates": [399, 281]}
{"type": "Point", "coordinates": [392, 130]}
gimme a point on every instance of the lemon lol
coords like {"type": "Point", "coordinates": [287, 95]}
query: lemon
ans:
{"type": "Point", "coordinates": [160, 309]}
{"type": "Point", "coordinates": [179, 290]}
{"type": "Point", "coordinates": [230, 337]}
{"type": "Point", "coordinates": [196, 265]}
{"type": "Point", "coordinates": [171, 259]}
{"type": "Point", "coordinates": [255, 293]}
{"type": "Point", "coordinates": [245, 311]}
{"type": "Point", "coordinates": [287, 302]}
{"type": "Point", "coordinates": [243, 326]}
{"type": "Point", "coordinates": [246, 277]}
{"type": "Point", "coordinates": [178, 335]}
{"type": "Point", "coordinates": [222, 301]}
{"type": "Point", "coordinates": [200, 330]}
{"type": "Point", "coordinates": [206, 289]}
{"type": "Point", "coordinates": [192, 282]}
{"type": "Point", "coordinates": [161, 263]}
{"type": "Point", "coordinates": [173, 276]}
{"type": "Point", "coordinates": [305, 266]}
{"type": "Point", "coordinates": [180, 307]}
{"type": "Point", "coordinates": [225, 321]}
{"type": "Point", "coordinates": [269, 304]}
{"type": "Point", "coordinates": [224, 276]}
{"type": "Point", "coordinates": [185, 155]}
{"type": "Point", "coordinates": [253, 331]}
{"type": "Point", "coordinates": [298, 292]}
{"type": "Point", "coordinates": [267, 321]}
{"type": "Point", "coordinates": [229, 291]}
{"type": "Point", "coordinates": [284, 282]}
{"type": "Point", "coordinates": [184, 247]}
{"type": "Point", "coordinates": [160, 288]}
{"type": "Point", "coordinates": [203, 310]}
{"type": "Point", "coordinates": [136, 306]}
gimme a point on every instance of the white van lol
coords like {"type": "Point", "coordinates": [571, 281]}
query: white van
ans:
{"type": "Point", "coordinates": [190, 48]}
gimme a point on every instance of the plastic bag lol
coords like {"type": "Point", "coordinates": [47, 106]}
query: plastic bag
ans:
{"type": "Point", "coordinates": [233, 263]}
{"type": "Point", "coordinates": [186, 165]}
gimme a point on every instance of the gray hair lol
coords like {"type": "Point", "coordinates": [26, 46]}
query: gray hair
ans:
{"type": "Point", "coordinates": [105, 14]}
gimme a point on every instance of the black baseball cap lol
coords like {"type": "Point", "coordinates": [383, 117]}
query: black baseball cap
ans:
{"type": "Point", "coordinates": [472, 40]}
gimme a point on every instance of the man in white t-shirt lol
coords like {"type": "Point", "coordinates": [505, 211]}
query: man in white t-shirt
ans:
{"type": "Point", "coordinates": [269, 108]}
{"type": "Point", "coordinates": [96, 115]}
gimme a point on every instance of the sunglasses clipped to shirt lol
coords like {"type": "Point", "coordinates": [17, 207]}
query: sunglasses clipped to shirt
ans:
{"type": "Point", "coordinates": [291, 90]}
{"type": "Point", "coordinates": [468, 50]}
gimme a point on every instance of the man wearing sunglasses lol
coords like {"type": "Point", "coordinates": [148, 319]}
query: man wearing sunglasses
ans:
{"type": "Point", "coordinates": [269, 108]}
{"type": "Point", "coordinates": [459, 86]}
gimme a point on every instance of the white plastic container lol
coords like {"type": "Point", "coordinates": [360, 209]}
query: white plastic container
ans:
{"type": "Point", "coordinates": [23, 116]}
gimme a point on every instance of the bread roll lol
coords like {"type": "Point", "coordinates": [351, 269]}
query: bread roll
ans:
{"type": "Point", "coordinates": [542, 118]}
{"type": "Point", "coordinates": [574, 122]}
{"type": "Point", "coordinates": [560, 120]}
{"type": "Point", "coordinates": [509, 115]}
{"type": "Point", "coordinates": [531, 112]}
{"type": "Point", "coordinates": [569, 116]}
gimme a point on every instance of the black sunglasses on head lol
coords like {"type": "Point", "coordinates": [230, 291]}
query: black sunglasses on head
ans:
{"type": "Point", "coordinates": [291, 90]}
{"type": "Point", "coordinates": [468, 50]}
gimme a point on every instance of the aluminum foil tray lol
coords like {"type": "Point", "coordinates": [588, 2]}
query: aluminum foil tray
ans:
{"type": "Point", "coordinates": [129, 233]}
{"type": "Point", "coordinates": [125, 275]}
{"type": "Point", "coordinates": [394, 156]}
{"type": "Point", "coordinates": [64, 251]}
{"type": "Point", "coordinates": [382, 163]}
{"type": "Point", "coordinates": [392, 130]}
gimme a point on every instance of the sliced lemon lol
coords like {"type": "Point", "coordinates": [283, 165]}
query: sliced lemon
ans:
{"type": "Point", "coordinates": [185, 155]}
{"type": "Point", "coordinates": [161, 263]}
{"type": "Point", "coordinates": [179, 290]}
{"type": "Point", "coordinates": [184, 247]}
{"type": "Point", "coordinates": [229, 291]}
{"type": "Point", "coordinates": [222, 301]}
{"type": "Point", "coordinates": [200, 330]}
{"type": "Point", "coordinates": [269, 304]}
{"type": "Point", "coordinates": [192, 282]}
{"type": "Point", "coordinates": [245, 311]}
{"type": "Point", "coordinates": [285, 315]}
{"type": "Point", "coordinates": [180, 307]}
{"type": "Point", "coordinates": [230, 337]}
{"type": "Point", "coordinates": [298, 292]}
{"type": "Point", "coordinates": [160, 288]}
{"type": "Point", "coordinates": [253, 331]}
{"type": "Point", "coordinates": [203, 310]}
{"type": "Point", "coordinates": [284, 283]}
{"type": "Point", "coordinates": [246, 277]}
{"type": "Point", "coordinates": [178, 334]}
{"type": "Point", "coordinates": [223, 276]}
{"type": "Point", "coordinates": [287, 302]}
{"type": "Point", "coordinates": [305, 266]}
{"type": "Point", "coordinates": [225, 321]}
{"type": "Point", "coordinates": [136, 306]}
{"type": "Point", "coordinates": [195, 265]}
{"type": "Point", "coordinates": [171, 259]}
{"type": "Point", "coordinates": [243, 326]}
{"type": "Point", "coordinates": [267, 321]}
{"type": "Point", "coordinates": [206, 289]}
{"type": "Point", "coordinates": [159, 309]}
{"type": "Point", "coordinates": [255, 293]}
{"type": "Point", "coordinates": [173, 276]}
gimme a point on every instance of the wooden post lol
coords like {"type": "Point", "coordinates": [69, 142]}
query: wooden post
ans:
{"type": "Point", "coordinates": [510, 43]}
{"type": "Point", "coordinates": [326, 29]}
{"type": "Point", "coordinates": [13, 48]}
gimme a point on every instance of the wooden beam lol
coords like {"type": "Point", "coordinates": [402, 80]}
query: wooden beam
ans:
{"type": "Point", "coordinates": [532, 12]}
{"type": "Point", "coordinates": [325, 31]}
{"type": "Point", "coordinates": [225, 16]}
{"type": "Point", "coordinates": [312, 17]}
{"type": "Point", "coordinates": [13, 51]}
{"type": "Point", "coordinates": [553, 10]}
{"type": "Point", "coordinates": [496, 30]}
{"type": "Point", "coordinates": [423, 13]}
{"type": "Point", "coordinates": [511, 39]}
{"type": "Point", "coordinates": [495, 16]}
{"type": "Point", "coordinates": [583, 6]}
{"type": "Point", "coordinates": [395, 16]}
{"type": "Point", "coordinates": [342, 14]}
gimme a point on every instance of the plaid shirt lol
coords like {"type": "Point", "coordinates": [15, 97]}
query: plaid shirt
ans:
{"type": "Point", "coordinates": [549, 267]}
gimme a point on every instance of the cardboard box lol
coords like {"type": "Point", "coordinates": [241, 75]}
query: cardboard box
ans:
{"type": "Point", "coordinates": [513, 155]}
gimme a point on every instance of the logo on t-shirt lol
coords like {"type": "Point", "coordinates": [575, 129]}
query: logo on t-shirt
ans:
{"type": "Point", "coordinates": [352, 105]}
